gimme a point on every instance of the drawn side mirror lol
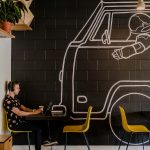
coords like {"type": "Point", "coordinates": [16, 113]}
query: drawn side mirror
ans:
{"type": "Point", "coordinates": [105, 37]}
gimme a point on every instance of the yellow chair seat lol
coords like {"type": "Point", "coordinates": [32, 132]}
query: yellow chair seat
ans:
{"type": "Point", "coordinates": [138, 128]}
{"type": "Point", "coordinates": [131, 128]}
{"type": "Point", "coordinates": [15, 131]}
{"type": "Point", "coordinates": [18, 131]}
{"type": "Point", "coordinates": [74, 128]}
{"type": "Point", "coordinates": [82, 128]}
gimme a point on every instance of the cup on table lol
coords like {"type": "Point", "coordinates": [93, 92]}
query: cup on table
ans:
{"type": "Point", "coordinates": [41, 107]}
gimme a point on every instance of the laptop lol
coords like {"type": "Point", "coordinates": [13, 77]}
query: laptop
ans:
{"type": "Point", "coordinates": [47, 110]}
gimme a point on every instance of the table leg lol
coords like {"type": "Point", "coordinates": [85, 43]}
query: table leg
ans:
{"type": "Point", "coordinates": [49, 136]}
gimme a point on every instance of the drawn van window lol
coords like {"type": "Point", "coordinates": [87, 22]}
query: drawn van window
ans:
{"type": "Point", "coordinates": [109, 25]}
{"type": "Point", "coordinates": [117, 23]}
{"type": "Point", "coordinates": [101, 32]}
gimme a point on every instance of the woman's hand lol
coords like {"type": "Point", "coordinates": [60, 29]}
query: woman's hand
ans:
{"type": "Point", "coordinates": [38, 111]}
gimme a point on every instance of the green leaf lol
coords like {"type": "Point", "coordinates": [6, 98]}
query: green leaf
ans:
{"type": "Point", "coordinates": [10, 10]}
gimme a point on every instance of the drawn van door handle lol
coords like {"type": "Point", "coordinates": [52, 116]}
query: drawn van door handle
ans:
{"type": "Point", "coordinates": [60, 75]}
{"type": "Point", "coordinates": [82, 99]}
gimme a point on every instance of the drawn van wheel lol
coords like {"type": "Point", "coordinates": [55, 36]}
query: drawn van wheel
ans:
{"type": "Point", "coordinates": [115, 119]}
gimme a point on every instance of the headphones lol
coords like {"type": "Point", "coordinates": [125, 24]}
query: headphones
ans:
{"type": "Point", "coordinates": [11, 85]}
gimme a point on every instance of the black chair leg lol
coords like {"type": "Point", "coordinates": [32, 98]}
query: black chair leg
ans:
{"type": "Point", "coordinates": [129, 140]}
{"type": "Point", "coordinates": [143, 140]}
{"type": "Point", "coordinates": [149, 137]}
{"type": "Point", "coordinates": [121, 140]}
{"type": "Point", "coordinates": [87, 143]}
{"type": "Point", "coordinates": [65, 141]}
{"type": "Point", "coordinates": [137, 138]}
{"type": "Point", "coordinates": [28, 137]}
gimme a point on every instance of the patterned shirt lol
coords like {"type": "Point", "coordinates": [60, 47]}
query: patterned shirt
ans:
{"type": "Point", "coordinates": [13, 119]}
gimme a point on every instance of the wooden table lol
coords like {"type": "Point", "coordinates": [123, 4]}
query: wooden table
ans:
{"type": "Point", "coordinates": [5, 142]}
{"type": "Point", "coordinates": [44, 117]}
{"type": "Point", "coordinates": [48, 118]}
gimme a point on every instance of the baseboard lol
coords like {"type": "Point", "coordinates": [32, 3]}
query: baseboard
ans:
{"type": "Point", "coordinates": [74, 147]}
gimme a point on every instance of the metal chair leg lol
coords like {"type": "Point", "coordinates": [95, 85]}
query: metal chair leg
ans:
{"type": "Point", "coordinates": [143, 140]}
{"type": "Point", "coordinates": [65, 141]}
{"type": "Point", "coordinates": [137, 138]}
{"type": "Point", "coordinates": [149, 137]}
{"type": "Point", "coordinates": [28, 137]}
{"type": "Point", "coordinates": [129, 140]}
{"type": "Point", "coordinates": [121, 140]}
{"type": "Point", "coordinates": [87, 143]}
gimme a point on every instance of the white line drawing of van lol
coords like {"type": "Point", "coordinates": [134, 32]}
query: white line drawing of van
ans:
{"type": "Point", "coordinates": [100, 34]}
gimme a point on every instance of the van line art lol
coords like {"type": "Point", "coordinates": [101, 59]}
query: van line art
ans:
{"type": "Point", "coordinates": [100, 38]}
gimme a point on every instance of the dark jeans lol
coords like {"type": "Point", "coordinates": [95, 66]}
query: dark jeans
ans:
{"type": "Point", "coordinates": [36, 128]}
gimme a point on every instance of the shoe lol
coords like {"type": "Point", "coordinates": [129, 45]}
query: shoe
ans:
{"type": "Point", "coordinates": [49, 143]}
{"type": "Point", "coordinates": [37, 148]}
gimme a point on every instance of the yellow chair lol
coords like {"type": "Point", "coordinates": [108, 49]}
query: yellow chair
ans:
{"type": "Point", "coordinates": [14, 131]}
{"type": "Point", "coordinates": [79, 128]}
{"type": "Point", "coordinates": [131, 128]}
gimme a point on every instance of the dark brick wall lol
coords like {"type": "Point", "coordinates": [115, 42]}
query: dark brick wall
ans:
{"type": "Point", "coordinates": [37, 58]}
{"type": "Point", "coordinates": [37, 55]}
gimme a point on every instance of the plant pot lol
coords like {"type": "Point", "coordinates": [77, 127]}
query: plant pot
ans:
{"type": "Point", "coordinates": [7, 26]}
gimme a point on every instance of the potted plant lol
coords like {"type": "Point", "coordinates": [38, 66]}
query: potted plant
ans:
{"type": "Point", "coordinates": [10, 12]}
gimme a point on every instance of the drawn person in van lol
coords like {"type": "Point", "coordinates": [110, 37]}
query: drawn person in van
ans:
{"type": "Point", "coordinates": [139, 26]}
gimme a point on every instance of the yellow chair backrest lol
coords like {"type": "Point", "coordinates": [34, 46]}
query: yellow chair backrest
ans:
{"type": "Point", "coordinates": [124, 119]}
{"type": "Point", "coordinates": [10, 130]}
{"type": "Point", "coordinates": [7, 122]}
{"type": "Point", "coordinates": [86, 125]}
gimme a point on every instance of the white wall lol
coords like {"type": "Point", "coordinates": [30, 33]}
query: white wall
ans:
{"type": "Point", "coordinates": [5, 73]}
